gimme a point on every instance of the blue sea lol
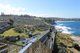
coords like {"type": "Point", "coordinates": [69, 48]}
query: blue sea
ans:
{"type": "Point", "coordinates": [69, 27]}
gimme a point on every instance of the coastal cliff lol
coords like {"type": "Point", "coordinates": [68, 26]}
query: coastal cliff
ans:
{"type": "Point", "coordinates": [64, 44]}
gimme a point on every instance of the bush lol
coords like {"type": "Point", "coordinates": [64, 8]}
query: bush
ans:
{"type": "Point", "coordinates": [76, 46]}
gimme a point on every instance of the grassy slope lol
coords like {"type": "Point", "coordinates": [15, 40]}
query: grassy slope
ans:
{"type": "Point", "coordinates": [67, 41]}
{"type": "Point", "coordinates": [12, 32]}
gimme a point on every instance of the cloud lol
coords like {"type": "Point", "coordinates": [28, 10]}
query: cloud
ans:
{"type": "Point", "coordinates": [8, 9]}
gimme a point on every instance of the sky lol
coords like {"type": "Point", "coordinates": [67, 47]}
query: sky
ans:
{"type": "Point", "coordinates": [42, 8]}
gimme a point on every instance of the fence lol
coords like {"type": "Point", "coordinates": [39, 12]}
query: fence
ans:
{"type": "Point", "coordinates": [42, 44]}
{"type": "Point", "coordinates": [38, 47]}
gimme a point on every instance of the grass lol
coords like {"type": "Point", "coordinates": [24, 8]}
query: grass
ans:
{"type": "Point", "coordinates": [65, 39]}
{"type": "Point", "coordinates": [37, 31]}
{"type": "Point", "coordinates": [12, 32]}
{"type": "Point", "coordinates": [20, 43]}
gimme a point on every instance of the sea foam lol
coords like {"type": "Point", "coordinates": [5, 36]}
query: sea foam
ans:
{"type": "Point", "coordinates": [63, 29]}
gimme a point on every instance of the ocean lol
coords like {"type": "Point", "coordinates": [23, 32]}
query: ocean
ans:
{"type": "Point", "coordinates": [69, 27]}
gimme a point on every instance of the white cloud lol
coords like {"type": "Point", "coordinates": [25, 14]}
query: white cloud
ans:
{"type": "Point", "coordinates": [8, 9]}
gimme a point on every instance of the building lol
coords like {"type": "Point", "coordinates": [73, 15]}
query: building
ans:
{"type": "Point", "coordinates": [4, 26]}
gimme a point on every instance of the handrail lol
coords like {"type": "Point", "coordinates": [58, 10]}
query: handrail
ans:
{"type": "Point", "coordinates": [27, 46]}
{"type": "Point", "coordinates": [31, 42]}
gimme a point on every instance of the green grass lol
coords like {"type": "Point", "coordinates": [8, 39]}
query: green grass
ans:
{"type": "Point", "coordinates": [19, 43]}
{"type": "Point", "coordinates": [64, 38]}
{"type": "Point", "coordinates": [12, 32]}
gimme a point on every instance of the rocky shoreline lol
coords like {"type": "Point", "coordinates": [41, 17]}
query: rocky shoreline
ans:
{"type": "Point", "coordinates": [76, 39]}
{"type": "Point", "coordinates": [63, 30]}
{"type": "Point", "coordinates": [67, 43]}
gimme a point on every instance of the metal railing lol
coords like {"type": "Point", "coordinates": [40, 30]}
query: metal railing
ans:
{"type": "Point", "coordinates": [35, 45]}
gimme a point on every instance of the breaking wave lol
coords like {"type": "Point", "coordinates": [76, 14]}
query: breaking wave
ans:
{"type": "Point", "coordinates": [63, 29]}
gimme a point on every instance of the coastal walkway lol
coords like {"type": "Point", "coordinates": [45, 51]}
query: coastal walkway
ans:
{"type": "Point", "coordinates": [42, 43]}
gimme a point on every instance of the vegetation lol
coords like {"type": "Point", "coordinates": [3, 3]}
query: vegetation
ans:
{"type": "Point", "coordinates": [11, 36]}
{"type": "Point", "coordinates": [64, 43]}
{"type": "Point", "coordinates": [12, 32]}
{"type": "Point", "coordinates": [19, 29]}
{"type": "Point", "coordinates": [64, 38]}
{"type": "Point", "coordinates": [20, 43]}
{"type": "Point", "coordinates": [49, 20]}
{"type": "Point", "coordinates": [76, 46]}
{"type": "Point", "coordinates": [21, 26]}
